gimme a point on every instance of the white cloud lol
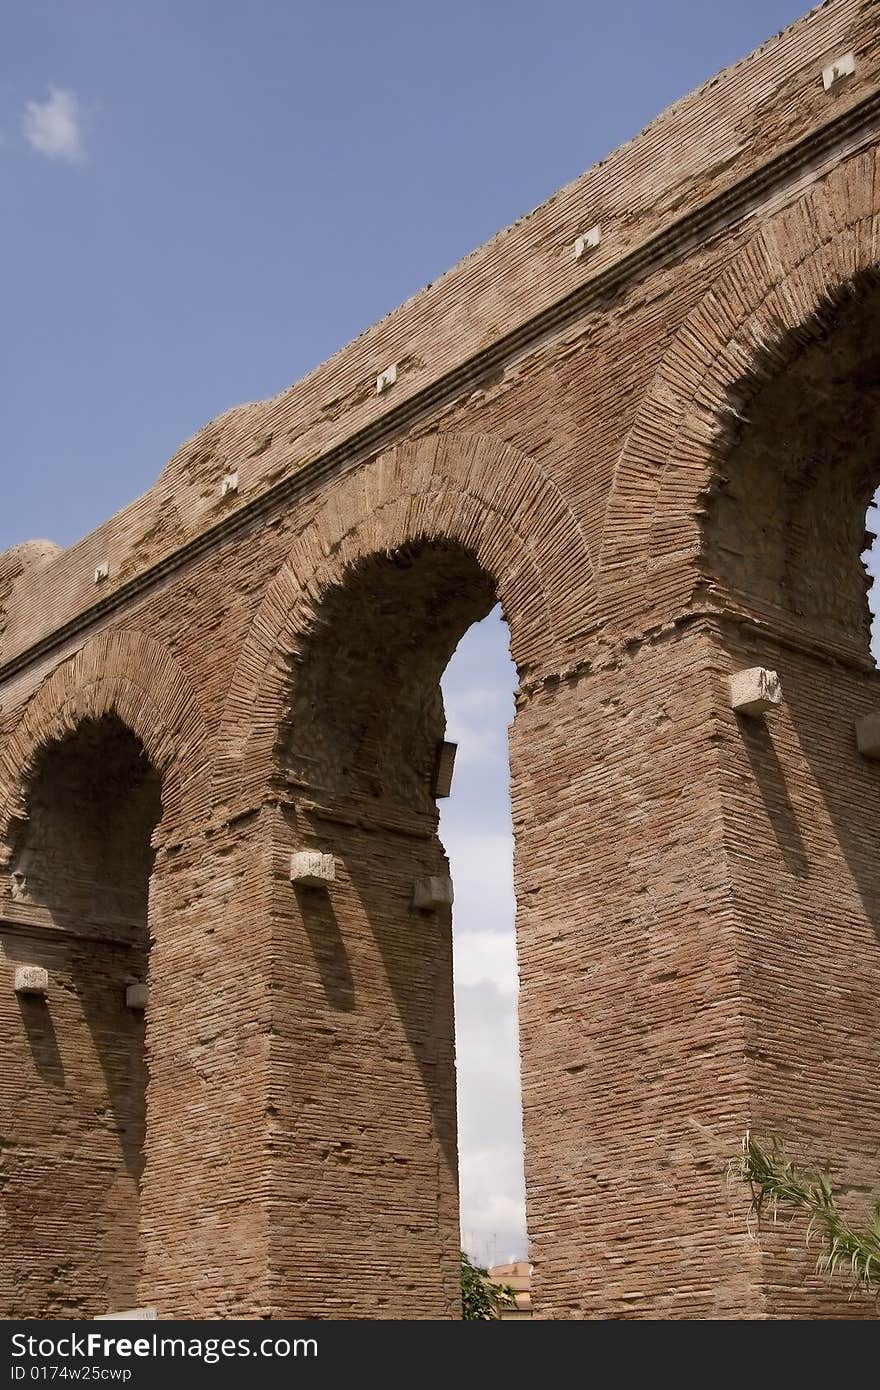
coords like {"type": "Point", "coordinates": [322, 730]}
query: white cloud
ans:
{"type": "Point", "coordinates": [54, 127]}
{"type": "Point", "coordinates": [493, 1217]}
{"type": "Point", "coordinates": [477, 721]}
{"type": "Point", "coordinates": [489, 1113]}
{"type": "Point", "coordinates": [486, 957]}
{"type": "Point", "coordinates": [482, 872]}
{"type": "Point", "coordinates": [487, 1046]}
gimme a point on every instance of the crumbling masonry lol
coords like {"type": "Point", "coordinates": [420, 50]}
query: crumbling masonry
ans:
{"type": "Point", "coordinates": [647, 420]}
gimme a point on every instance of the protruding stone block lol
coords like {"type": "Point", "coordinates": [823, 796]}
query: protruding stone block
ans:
{"type": "Point", "coordinates": [431, 893]}
{"type": "Point", "coordinates": [31, 979]}
{"type": "Point", "coordinates": [385, 380]}
{"type": "Point", "coordinates": [842, 67]}
{"type": "Point", "coordinates": [137, 995]}
{"type": "Point", "coordinates": [754, 691]}
{"type": "Point", "coordinates": [229, 485]}
{"type": "Point", "coordinates": [443, 768]}
{"type": "Point", "coordinates": [587, 242]}
{"type": "Point", "coordinates": [309, 868]}
{"type": "Point", "coordinates": [868, 735]}
{"type": "Point", "coordinates": [102, 571]}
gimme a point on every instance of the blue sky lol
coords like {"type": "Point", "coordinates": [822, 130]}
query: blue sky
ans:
{"type": "Point", "coordinates": [254, 183]}
{"type": "Point", "coordinates": [203, 199]}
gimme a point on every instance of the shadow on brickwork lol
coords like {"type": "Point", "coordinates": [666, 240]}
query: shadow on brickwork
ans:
{"type": "Point", "coordinates": [37, 1022]}
{"type": "Point", "coordinates": [328, 948]}
{"type": "Point", "coordinates": [770, 780]}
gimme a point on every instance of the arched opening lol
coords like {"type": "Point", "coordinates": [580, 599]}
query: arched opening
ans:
{"type": "Point", "coordinates": [785, 541]}
{"type": "Point", "coordinates": [787, 521]}
{"type": "Point", "coordinates": [368, 713]}
{"type": "Point", "coordinates": [359, 754]}
{"type": "Point", "coordinates": [78, 908]}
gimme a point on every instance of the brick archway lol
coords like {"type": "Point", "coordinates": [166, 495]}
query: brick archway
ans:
{"type": "Point", "coordinates": [474, 491]}
{"type": "Point", "coordinates": [779, 293]}
{"type": "Point", "coordinates": [135, 678]}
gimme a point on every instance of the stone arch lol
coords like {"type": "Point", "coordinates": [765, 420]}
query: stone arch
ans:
{"type": "Point", "coordinates": [133, 677]}
{"type": "Point", "coordinates": [471, 490]}
{"type": "Point", "coordinates": [778, 294]}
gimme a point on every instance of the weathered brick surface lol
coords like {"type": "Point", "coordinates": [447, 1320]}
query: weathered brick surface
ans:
{"type": "Point", "coordinates": [658, 459]}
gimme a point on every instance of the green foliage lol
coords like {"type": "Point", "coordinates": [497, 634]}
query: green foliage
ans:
{"type": "Point", "coordinates": [776, 1182]}
{"type": "Point", "coordinates": [481, 1301]}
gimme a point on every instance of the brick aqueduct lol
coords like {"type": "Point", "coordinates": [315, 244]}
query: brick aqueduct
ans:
{"type": "Point", "coordinates": [657, 455]}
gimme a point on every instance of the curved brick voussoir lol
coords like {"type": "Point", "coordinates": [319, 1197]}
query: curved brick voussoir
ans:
{"type": "Point", "coordinates": [778, 294]}
{"type": "Point", "coordinates": [133, 677]}
{"type": "Point", "coordinates": [472, 491]}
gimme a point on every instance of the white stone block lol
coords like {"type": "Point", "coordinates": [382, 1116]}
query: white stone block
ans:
{"type": "Point", "coordinates": [587, 242]}
{"type": "Point", "coordinates": [754, 690]}
{"type": "Point", "coordinates": [309, 868]}
{"type": "Point", "coordinates": [842, 67]}
{"type": "Point", "coordinates": [431, 893]}
{"type": "Point", "coordinates": [102, 571]}
{"type": "Point", "coordinates": [137, 995]}
{"type": "Point", "coordinates": [444, 768]}
{"type": "Point", "coordinates": [868, 735]}
{"type": "Point", "coordinates": [385, 380]}
{"type": "Point", "coordinates": [229, 485]}
{"type": "Point", "coordinates": [31, 979]}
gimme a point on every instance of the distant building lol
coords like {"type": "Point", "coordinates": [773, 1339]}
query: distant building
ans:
{"type": "Point", "coordinates": [516, 1276]}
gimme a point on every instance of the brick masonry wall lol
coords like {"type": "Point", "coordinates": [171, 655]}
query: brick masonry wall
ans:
{"type": "Point", "coordinates": [634, 1085]}
{"type": "Point", "coordinates": [594, 443]}
{"type": "Point", "coordinates": [801, 809]}
{"type": "Point", "coordinates": [73, 1120]}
